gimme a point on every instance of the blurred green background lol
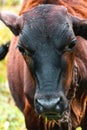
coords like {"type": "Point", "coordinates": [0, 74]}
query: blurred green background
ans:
{"type": "Point", "coordinates": [10, 116]}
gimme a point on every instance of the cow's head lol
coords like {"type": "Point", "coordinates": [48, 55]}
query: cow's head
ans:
{"type": "Point", "coordinates": [46, 36]}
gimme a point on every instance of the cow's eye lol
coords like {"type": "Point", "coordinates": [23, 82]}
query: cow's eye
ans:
{"type": "Point", "coordinates": [70, 46]}
{"type": "Point", "coordinates": [25, 51]}
{"type": "Point", "coordinates": [22, 50]}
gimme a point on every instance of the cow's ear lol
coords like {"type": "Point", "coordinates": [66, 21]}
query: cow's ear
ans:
{"type": "Point", "coordinates": [15, 23]}
{"type": "Point", "coordinates": [79, 27]}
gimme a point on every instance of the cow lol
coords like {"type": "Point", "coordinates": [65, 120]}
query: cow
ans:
{"type": "Point", "coordinates": [47, 63]}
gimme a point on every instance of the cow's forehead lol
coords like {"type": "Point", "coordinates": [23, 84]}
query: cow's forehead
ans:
{"type": "Point", "coordinates": [47, 24]}
{"type": "Point", "coordinates": [46, 11]}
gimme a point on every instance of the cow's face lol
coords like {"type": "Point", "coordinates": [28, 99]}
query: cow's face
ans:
{"type": "Point", "coordinates": [46, 35]}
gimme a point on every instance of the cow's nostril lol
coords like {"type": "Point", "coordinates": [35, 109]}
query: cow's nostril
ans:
{"type": "Point", "coordinates": [61, 105]}
{"type": "Point", "coordinates": [39, 107]}
{"type": "Point", "coordinates": [57, 107]}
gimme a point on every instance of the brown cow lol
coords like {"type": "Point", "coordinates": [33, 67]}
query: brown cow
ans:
{"type": "Point", "coordinates": [48, 78]}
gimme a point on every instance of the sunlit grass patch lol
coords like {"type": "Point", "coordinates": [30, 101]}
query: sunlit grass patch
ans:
{"type": "Point", "coordinates": [78, 128]}
{"type": "Point", "coordinates": [5, 33]}
{"type": "Point", "coordinates": [3, 73]}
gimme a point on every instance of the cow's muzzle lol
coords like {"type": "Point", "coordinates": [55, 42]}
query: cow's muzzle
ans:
{"type": "Point", "coordinates": [51, 106]}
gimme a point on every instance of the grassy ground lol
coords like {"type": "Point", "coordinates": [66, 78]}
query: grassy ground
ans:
{"type": "Point", "coordinates": [10, 117]}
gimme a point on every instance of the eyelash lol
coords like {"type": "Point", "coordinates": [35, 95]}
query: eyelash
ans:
{"type": "Point", "coordinates": [70, 46]}
{"type": "Point", "coordinates": [24, 51]}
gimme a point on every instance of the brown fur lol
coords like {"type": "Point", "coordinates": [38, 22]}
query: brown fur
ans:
{"type": "Point", "coordinates": [79, 103]}
{"type": "Point", "coordinates": [79, 55]}
{"type": "Point", "coordinates": [75, 7]}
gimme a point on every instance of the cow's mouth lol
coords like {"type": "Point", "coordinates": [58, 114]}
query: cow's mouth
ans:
{"type": "Point", "coordinates": [52, 116]}
{"type": "Point", "coordinates": [65, 117]}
